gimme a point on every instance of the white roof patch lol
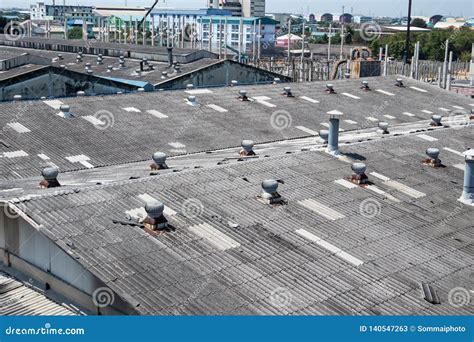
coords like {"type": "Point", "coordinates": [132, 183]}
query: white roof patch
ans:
{"type": "Point", "coordinates": [330, 247]}
{"type": "Point", "coordinates": [426, 137]}
{"type": "Point", "coordinates": [306, 130]}
{"type": "Point", "coordinates": [198, 91]}
{"type": "Point", "coordinates": [309, 99]}
{"type": "Point", "coordinates": [157, 114]}
{"type": "Point", "coordinates": [15, 154]}
{"type": "Point", "coordinates": [385, 92]}
{"type": "Point", "coordinates": [217, 108]}
{"type": "Point", "coordinates": [351, 96]}
{"type": "Point", "coordinates": [18, 127]}
{"type": "Point", "coordinates": [132, 110]}
{"type": "Point", "coordinates": [53, 103]}
{"type": "Point", "coordinates": [214, 236]}
{"type": "Point", "coordinates": [321, 209]}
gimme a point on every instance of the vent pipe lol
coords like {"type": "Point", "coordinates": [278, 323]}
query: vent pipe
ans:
{"type": "Point", "coordinates": [60, 57]}
{"type": "Point", "coordinates": [269, 193]}
{"type": "Point", "coordinates": [138, 72]}
{"type": "Point", "coordinates": [17, 98]}
{"type": "Point", "coordinates": [50, 175]}
{"type": "Point", "coordinates": [359, 176]}
{"type": "Point", "coordinates": [189, 86]}
{"type": "Point", "coordinates": [159, 161]}
{"type": "Point", "coordinates": [192, 100]}
{"type": "Point", "coordinates": [88, 66]}
{"type": "Point", "coordinates": [276, 80]}
{"type": "Point", "coordinates": [110, 68]}
{"type": "Point", "coordinates": [164, 75]}
{"type": "Point", "coordinates": [243, 95]}
{"type": "Point", "coordinates": [155, 220]}
{"type": "Point", "coordinates": [287, 92]}
{"type": "Point", "coordinates": [383, 128]}
{"type": "Point", "coordinates": [365, 85]}
{"type": "Point", "coordinates": [333, 138]}
{"type": "Point", "coordinates": [234, 83]}
{"type": "Point", "coordinates": [141, 90]}
{"type": "Point", "coordinates": [65, 111]}
{"type": "Point", "coordinates": [80, 93]}
{"type": "Point", "coordinates": [436, 120]}
{"type": "Point", "coordinates": [323, 135]}
{"type": "Point", "coordinates": [467, 196]}
{"type": "Point", "coordinates": [432, 159]}
{"type": "Point", "coordinates": [399, 83]}
{"type": "Point", "coordinates": [330, 88]}
{"type": "Point", "coordinates": [247, 148]}
{"type": "Point", "coordinates": [100, 60]}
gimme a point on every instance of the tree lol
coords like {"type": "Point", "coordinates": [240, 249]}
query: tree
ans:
{"type": "Point", "coordinates": [418, 22]}
{"type": "Point", "coordinates": [75, 33]}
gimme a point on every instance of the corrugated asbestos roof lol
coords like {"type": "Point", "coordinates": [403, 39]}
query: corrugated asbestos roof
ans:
{"type": "Point", "coordinates": [119, 129]}
{"type": "Point", "coordinates": [127, 72]}
{"type": "Point", "coordinates": [229, 253]}
{"type": "Point", "coordinates": [20, 300]}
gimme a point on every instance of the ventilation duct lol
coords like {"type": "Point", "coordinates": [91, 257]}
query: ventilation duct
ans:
{"type": "Point", "coordinates": [159, 161]}
{"type": "Point", "coordinates": [269, 193]}
{"type": "Point", "coordinates": [330, 88]}
{"type": "Point", "coordinates": [50, 175]}
{"type": "Point", "coordinates": [359, 176]}
{"type": "Point", "coordinates": [383, 128]}
{"type": "Point", "coordinates": [433, 159]}
{"type": "Point", "coordinates": [247, 148]}
{"type": "Point", "coordinates": [243, 95]}
{"type": "Point", "coordinates": [365, 85]}
{"type": "Point", "coordinates": [399, 83]}
{"type": "Point", "coordinates": [287, 92]}
{"type": "Point", "coordinates": [155, 219]}
{"type": "Point", "coordinates": [65, 111]}
{"type": "Point", "coordinates": [467, 196]}
{"type": "Point", "coordinates": [333, 138]}
{"type": "Point", "coordinates": [436, 120]}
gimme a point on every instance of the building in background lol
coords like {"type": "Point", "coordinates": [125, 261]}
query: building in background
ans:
{"type": "Point", "coordinates": [240, 31]}
{"type": "Point", "coordinates": [40, 11]}
{"type": "Point", "coordinates": [244, 8]}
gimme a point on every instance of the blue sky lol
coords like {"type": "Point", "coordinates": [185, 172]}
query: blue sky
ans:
{"type": "Point", "coordinates": [375, 7]}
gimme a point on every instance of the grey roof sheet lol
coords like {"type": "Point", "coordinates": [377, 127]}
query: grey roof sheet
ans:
{"type": "Point", "coordinates": [137, 128]}
{"type": "Point", "coordinates": [18, 299]}
{"type": "Point", "coordinates": [274, 270]}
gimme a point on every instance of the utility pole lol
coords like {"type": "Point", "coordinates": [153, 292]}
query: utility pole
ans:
{"type": "Point", "coordinates": [407, 43]}
{"type": "Point", "coordinates": [329, 42]}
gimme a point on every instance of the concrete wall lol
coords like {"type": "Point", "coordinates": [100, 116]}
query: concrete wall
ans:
{"type": "Point", "coordinates": [221, 74]}
{"type": "Point", "coordinates": [29, 252]}
{"type": "Point", "coordinates": [23, 59]}
{"type": "Point", "coordinates": [54, 82]}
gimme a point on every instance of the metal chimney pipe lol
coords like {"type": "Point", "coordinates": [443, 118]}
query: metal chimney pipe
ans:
{"type": "Point", "coordinates": [333, 138]}
{"type": "Point", "coordinates": [467, 196]}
